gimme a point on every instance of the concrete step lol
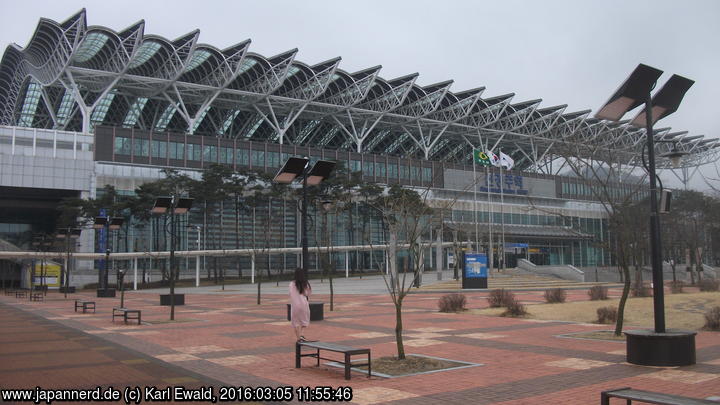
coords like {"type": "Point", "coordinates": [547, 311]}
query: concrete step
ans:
{"type": "Point", "coordinates": [519, 283]}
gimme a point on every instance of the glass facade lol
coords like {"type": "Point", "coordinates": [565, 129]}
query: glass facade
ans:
{"type": "Point", "coordinates": [277, 224]}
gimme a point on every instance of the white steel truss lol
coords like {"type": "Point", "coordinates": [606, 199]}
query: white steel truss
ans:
{"type": "Point", "coordinates": [73, 77]}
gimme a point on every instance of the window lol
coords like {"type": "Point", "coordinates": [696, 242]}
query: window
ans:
{"type": "Point", "coordinates": [177, 151]}
{"type": "Point", "coordinates": [226, 155]}
{"type": "Point", "coordinates": [516, 218]}
{"type": "Point", "coordinates": [355, 166]}
{"type": "Point", "coordinates": [404, 172]}
{"type": "Point", "coordinates": [141, 147]}
{"type": "Point", "coordinates": [193, 151]}
{"type": "Point", "coordinates": [159, 149]}
{"type": "Point", "coordinates": [241, 157]}
{"type": "Point", "coordinates": [392, 171]}
{"type": "Point", "coordinates": [427, 174]}
{"type": "Point", "coordinates": [258, 158]}
{"type": "Point", "coordinates": [368, 169]}
{"type": "Point", "coordinates": [525, 218]}
{"type": "Point", "coordinates": [122, 146]}
{"type": "Point", "coordinates": [273, 159]}
{"type": "Point", "coordinates": [415, 171]}
{"type": "Point", "coordinates": [210, 153]}
{"type": "Point", "coordinates": [380, 169]}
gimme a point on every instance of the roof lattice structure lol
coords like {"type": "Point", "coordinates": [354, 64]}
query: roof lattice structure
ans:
{"type": "Point", "coordinates": [72, 76]}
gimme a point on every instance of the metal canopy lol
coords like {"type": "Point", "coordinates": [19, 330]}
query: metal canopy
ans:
{"type": "Point", "coordinates": [74, 77]}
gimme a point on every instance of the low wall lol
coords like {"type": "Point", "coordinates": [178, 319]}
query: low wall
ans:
{"type": "Point", "coordinates": [565, 272]}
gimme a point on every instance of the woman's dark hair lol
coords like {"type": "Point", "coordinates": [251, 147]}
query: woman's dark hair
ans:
{"type": "Point", "coordinates": [301, 282]}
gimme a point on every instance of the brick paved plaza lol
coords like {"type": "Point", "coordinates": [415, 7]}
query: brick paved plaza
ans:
{"type": "Point", "coordinates": [225, 339]}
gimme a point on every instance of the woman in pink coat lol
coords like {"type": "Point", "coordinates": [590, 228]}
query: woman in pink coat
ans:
{"type": "Point", "coordinates": [299, 306]}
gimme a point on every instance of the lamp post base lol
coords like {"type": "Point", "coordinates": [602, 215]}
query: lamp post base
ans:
{"type": "Point", "coordinates": [167, 299]}
{"type": "Point", "coordinates": [106, 293]}
{"type": "Point", "coordinates": [674, 347]}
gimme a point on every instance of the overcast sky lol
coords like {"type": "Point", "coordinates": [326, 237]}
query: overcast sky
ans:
{"type": "Point", "coordinates": [563, 52]}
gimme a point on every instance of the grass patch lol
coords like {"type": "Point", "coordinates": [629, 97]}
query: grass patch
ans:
{"type": "Point", "coordinates": [683, 311]}
{"type": "Point", "coordinates": [410, 365]}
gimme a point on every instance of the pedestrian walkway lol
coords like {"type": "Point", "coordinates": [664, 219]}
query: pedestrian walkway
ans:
{"type": "Point", "coordinates": [226, 339]}
{"type": "Point", "coordinates": [37, 351]}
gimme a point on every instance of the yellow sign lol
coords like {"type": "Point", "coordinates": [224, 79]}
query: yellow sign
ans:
{"type": "Point", "coordinates": [51, 273]}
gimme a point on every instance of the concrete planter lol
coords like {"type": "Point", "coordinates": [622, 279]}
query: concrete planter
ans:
{"type": "Point", "coordinates": [317, 311]}
{"type": "Point", "coordinates": [166, 300]}
{"type": "Point", "coordinates": [674, 347]}
{"type": "Point", "coordinates": [106, 293]}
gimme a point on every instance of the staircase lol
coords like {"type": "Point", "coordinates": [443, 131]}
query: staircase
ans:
{"type": "Point", "coordinates": [513, 279]}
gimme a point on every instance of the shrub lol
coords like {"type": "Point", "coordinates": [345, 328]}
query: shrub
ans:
{"type": "Point", "coordinates": [676, 287]}
{"type": "Point", "coordinates": [514, 309]}
{"type": "Point", "coordinates": [708, 284]}
{"type": "Point", "coordinates": [500, 298]}
{"type": "Point", "coordinates": [452, 303]}
{"type": "Point", "coordinates": [555, 295]}
{"type": "Point", "coordinates": [607, 314]}
{"type": "Point", "coordinates": [641, 291]}
{"type": "Point", "coordinates": [712, 319]}
{"type": "Point", "coordinates": [598, 292]}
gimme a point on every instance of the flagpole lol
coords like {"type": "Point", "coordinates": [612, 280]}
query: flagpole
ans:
{"type": "Point", "coordinates": [502, 216]}
{"type": "Point", "coordinates": [490, 219]}
{"type": "Point", "coordinates": [475, 182]}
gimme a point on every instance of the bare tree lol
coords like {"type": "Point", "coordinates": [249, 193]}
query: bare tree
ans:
{"type": "Point", "coordinates": [262, 191]}
{"type": "Point", "coordinates": [618, 190]}
{"type": "Point", "coordinates": [408, 216]}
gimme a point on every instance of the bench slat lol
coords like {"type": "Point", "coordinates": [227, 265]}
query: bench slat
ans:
{"type": "Point", "coordinates": [656, 397]}
{"type": "Point", "coordinates": [334, 347]}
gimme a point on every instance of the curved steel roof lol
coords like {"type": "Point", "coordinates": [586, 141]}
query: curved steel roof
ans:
{"type": "Point", "coordinates": [73, 77]}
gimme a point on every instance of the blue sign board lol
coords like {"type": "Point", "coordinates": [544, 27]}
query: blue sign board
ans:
{"type": "Point", "coordinates": [476, 265]}
{"type": "Point", "coordinates": [504, 182]}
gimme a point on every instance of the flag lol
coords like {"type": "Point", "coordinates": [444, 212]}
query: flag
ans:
{"type": "Point", "coordinates": [506, 161]}
{"type": "Point", "coordinates": [494, 159]}
{"type": "Point", "coordinates": [481, 157]}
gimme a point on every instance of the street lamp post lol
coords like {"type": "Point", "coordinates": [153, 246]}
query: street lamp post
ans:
{"type": "Point", "coordinates": [42, 243]}
{"type": "Point", "coordinates": [197, 258]}
{"type": "Point", "coordinates": [107, 224]}
{"type": "Point", "coordinates": [660, 347]}
{"type": "Point", "coordinates": [172, 205]}
{"type": "Point", "coordinates": [311, 176]}
{"type": "Point", "coordinates": [68, 234]}
{"type": "Point", "coordinates": [121, 281]}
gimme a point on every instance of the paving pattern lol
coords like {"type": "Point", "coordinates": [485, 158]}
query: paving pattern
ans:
{"type": "Point", "coordinates": [226, 339]}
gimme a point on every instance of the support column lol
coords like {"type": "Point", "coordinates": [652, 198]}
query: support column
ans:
{"type": "Point", "coordinates": [438, 255]}
{"type": "Point", "coordinates": [252, 269]}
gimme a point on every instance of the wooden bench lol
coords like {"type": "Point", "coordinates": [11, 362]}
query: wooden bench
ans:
{"type": "Point", "coordinates": [332, 347]}
{"type": "Point", "coordinates": [650, 397]}
{"type": "Point", "coordinates": [85, 305]}
{"type": "Point", "coordinates": [20, 293]}
{"type": "Point", "coordinates": [125, 313]}
{"type": "Point", "coordinates": [9, 291]}
{"type": "Point", "coordinates": [37, 296]}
